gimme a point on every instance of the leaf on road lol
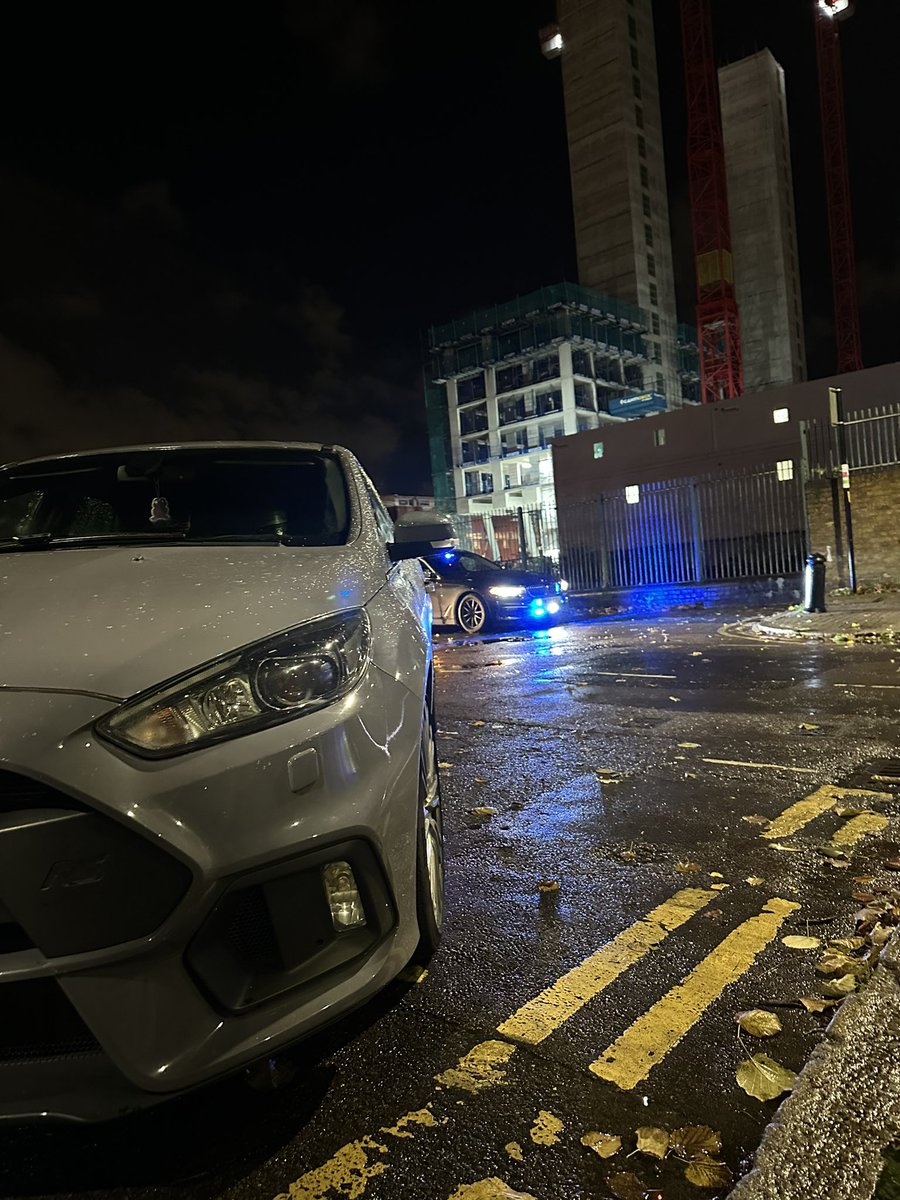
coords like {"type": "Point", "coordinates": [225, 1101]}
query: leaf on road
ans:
{"type": "Point", "coordinates": [628, 855]}
{"type": "Point", "coordinates": [711, 914]}
{"type": "Point", "coordinates": [477, 724]}
{"type": "Point", "coordinates": [652, 1140]}
{"type": "Point", "coordinates": [707, 1173]}
{"type": "Point", "coordinates": [756, 819]}
{"type": "Point", "coordinates": [806, 727]}
{"type": "Point", "coordinates": [478, 779]}
{"type": "Point", "coordinates": [626, 1186]}
{"type": "Point", "coordinates": [759, 1023]}
{"type": "Point", "coordinates": [839, 864]}
{"type": "Point", "coordinates": [862, 897]}
{"type": "Point", "coordinates": [781, 846]}
{"type": "Point", "coordinates": [483, 810]}
{"type": "Point", "coordinates": [695, 1141]}
{"type": "Point", "coordinates": [754, 880]}
{"type": "Point", "coordinates": [719, 887]}
{"type": "Point", "coordinates": [688, 745]}
{"type": "Point", "coordinates": [716, 875]}
{"type": "Point", "coordinates": [816, 1005]}
{"type": "Point", "coordinates": [687, 868]}
{"type": "Point", "coordinates": [840, 987]}
{"type": "Point", "coordinates": [445, 766]}
{"type": "Point", "coordinates": [830, 851]}
{"type": "Point", "coordinates": [548, 885]}
{"type": "Point", "coordinates": [892, 864]}
{"type": "Point", "coordinates": [675, 699]}
{"type": "Point", "coordinates": [764, 1078]}
{"type": "Point", "coordinates": [604, 1144]}
{"type": "Point", "coordinates": [413, 974]}
{"type": "Point", "coordinates": [863, 878]}
{"type": "Point", "coordinates": [514, 1150]}
{"type": "Point", "coordinates": [799, 941]}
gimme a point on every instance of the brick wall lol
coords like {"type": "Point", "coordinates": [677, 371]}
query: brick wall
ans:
{"type": "Point", "coordinates": [876, 526]}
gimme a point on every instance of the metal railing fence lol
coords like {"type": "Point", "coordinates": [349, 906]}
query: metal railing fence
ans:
{"type": "Point", "coordinates": [872, 437]}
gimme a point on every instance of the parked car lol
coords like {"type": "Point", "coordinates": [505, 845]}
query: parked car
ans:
{"type": "Point", "coordinates": [220, 811]}
{"type": "Point", "coordinates": [473, 593]}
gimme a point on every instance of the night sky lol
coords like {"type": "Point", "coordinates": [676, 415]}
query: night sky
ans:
{"type": "Point", "coordinates": [217, 225]}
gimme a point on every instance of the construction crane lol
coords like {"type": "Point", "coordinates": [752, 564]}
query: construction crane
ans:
{"type": "Point", "coordinates": [718, 324]}
{"type": "Point", "coordinates": [828, 15]}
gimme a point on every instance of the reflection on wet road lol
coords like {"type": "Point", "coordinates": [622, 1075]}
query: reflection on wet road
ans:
{"type": "Point", "coordinates": [638, 815]}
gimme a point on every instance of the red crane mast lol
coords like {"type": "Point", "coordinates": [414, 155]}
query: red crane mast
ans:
{"type": "Point", "coordinates": [718, 324]}
{"type": "Point", "coordinates": [828, 14]}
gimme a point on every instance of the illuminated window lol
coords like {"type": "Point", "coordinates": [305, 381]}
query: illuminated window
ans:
{"type": "Point", "coordinates": [785, 469]}
{"type": "Point", "coordinates": [659, 437]}
{"type": "Point", "coordinates": [781, 416]}
{"type": "Point", "coordinates": [633, 494]}
{"type": "Point", "coordinates": [598, 449]}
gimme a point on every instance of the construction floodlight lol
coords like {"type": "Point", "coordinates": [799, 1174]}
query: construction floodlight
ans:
{"type": "Point", "coordinates": [839, 9]}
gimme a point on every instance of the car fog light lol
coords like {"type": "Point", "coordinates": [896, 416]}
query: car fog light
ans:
{"type": "Point", "coordinates": [343, 897]}
{"type": "Point", "coordinates": [552, 606]}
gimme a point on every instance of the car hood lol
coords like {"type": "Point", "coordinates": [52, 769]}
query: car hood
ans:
{"type": "Point", "coordinates": [117, 620]}
{"type": "Point", "coordinates": [519, 579]}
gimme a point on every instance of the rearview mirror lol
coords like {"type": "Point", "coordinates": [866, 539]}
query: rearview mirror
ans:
{"type": "Point", "coordinates": [418, 534]}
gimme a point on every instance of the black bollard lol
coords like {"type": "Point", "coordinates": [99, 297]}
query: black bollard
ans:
{"type": "Point", "coordinates": [814, 584]}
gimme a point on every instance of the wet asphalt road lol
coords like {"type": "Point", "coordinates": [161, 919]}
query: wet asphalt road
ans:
{"type": "Point", "coordinates": [575, 738]}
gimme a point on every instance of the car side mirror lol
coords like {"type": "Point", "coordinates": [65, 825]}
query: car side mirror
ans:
{"type": "Point", "coordinates": [418, 534]}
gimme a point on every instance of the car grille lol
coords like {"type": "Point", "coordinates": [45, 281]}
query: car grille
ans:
{"type": "Point", "coordinates": [39, 1024]}
{"type": "Point", "coordinates": [19, 793]}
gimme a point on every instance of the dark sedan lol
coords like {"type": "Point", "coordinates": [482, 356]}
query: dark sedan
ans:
{"type": "Point", "coordinates": [473, 593]}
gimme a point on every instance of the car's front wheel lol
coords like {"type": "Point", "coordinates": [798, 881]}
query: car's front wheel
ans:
{"type": "Point", "coordinates": [471, 613]}
{"type": "Point", "coordinates": [429, 847]}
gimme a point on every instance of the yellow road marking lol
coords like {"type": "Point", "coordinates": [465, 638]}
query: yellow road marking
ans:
{"type": "Point", "coordinates": [804, 811]}
{"type": "Point", "coordinates": [857, 827]}
{"type": "Point", "coordinates": [538, 1018]}
{"type": "Point", "coordinates": [481, 1068]}
{"type": "Point", "coordinates": [346, 1173]}
{"type": "Point", "coordinates": [728, 762]}
{"type": "Point", "coordinates": [645, 1043]}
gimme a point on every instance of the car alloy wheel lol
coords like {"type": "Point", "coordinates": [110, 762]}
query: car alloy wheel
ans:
{"type": "Point", "coordinates": [430, 847]}
{"type": "Point", "coordinates": [471, 613]}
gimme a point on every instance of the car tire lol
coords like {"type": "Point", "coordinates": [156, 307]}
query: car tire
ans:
{"type": "Point", "coordinates": [471, 613]}
{"type": "Point", "coordinates": [429, 848]}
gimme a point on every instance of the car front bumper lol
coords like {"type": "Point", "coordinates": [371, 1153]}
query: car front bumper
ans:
{"type": "Point", "coordinates": [533, 607]}
{"type": "Point", "coordinates": [163, 923]}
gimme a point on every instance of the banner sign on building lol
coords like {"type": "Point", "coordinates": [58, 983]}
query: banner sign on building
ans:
{"type": "Point", "coordinates": [639, 405]}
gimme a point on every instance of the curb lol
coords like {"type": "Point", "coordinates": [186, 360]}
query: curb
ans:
{"type": "Point", "coordinates": [826, 1141]}
{"type": "Point", "coordinates": [881, 636]}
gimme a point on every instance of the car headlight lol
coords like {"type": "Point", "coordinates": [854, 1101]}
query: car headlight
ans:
{"type": "Point", "coordinates": [564, 585]}
{"type": "Point", "coordinates": [263, 684]}
{"type": "Point", "coordinates": [507, 591]}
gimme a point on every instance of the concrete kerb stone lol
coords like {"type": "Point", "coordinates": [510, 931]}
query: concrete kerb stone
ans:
{"type": "Point", "coordinates": [826, 1141]}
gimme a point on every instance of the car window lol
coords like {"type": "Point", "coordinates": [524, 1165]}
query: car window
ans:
{"type": "Point", "coordinates": [202, 495]}
{"type": "Point", "coordinates": [474, 562]}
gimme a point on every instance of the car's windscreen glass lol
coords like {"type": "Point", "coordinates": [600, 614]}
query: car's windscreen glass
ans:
{"type": "Point", "coordinates": [474, 562]}
{"type": "Point", "coordinates": [184, 495]}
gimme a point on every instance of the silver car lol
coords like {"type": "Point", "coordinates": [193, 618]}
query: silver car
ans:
{"type": "Point", "coordinates": [220, 817]}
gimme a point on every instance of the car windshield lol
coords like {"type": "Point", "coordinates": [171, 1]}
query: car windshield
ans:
{"type": "Point", "coordinates": [463, 560]}
{"type": "Point", "coordinates": [224, 495]}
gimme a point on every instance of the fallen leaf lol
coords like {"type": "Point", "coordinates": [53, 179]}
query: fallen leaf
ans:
{"type": "Point", "coordinates": [690, 775]}
{"type": "Point", "coordinates": [604, 1144]}
{"type": "Point", "coordinates": [756, 819]}
{"type": "Point", "coordinates": [830, 852]}
{"type": "Point", "coordinates": [675, 699]}
{"type": "Point", "coordinates": [863, 878]}
{"type": "Point", "coordinates": [716, 875]}
{"type": "Point", "coordinates": [862, 897]}
{"type": "Point", "coordinates": [814, 1004]}
{"type": "Point", "coordinates": [478, 779]}
{"type": "Point", "coordinates": [513, 1149]}
{"type": "Point", "coordinates": [626, 1186]}
{"type": "Point", "coordinates": [695, 1141]}
{"type": "Point", "coordinates": [892, 864]}
{"type": "Point", "coordinates": [548, 885]}
{"type": "Point", "coordinates": [840, 987]}
{"type": "Point", "coordinates": [687, 868]}
{"type": "Point", "coordinates": [652, 1140]}
{"type": "Point", "coordinates": [697, 654]}
{"type": "Point", "coordinates": [835, 963]}
{"type": "Point", "coordinates": [754, 880]}
{"type": "Point", "coordinates": [839, 864]}
{"type": "Point", "coordinates": [764, 1078]}
{"type": "Point", "coordinates": [477, 724]}
{"type": "Point", "coordinates": [546, 1129]}
{"type": "Point", "coordinates": [807, 728]}
{"type": "Point", "coordinates": [413, 973]}
{"type": "Point", "coordinates": [628, 855]}
{"type": "Point", "coordinates": [850, 943]}
{"type": "Point", "coordinates": [759, 1023]}
{"type": "Point", "coordinates": [711, 914]}
{"type": "Point", "coordinates": [781, 846]}
{"type": "Point", "coordinates": [483, 810]}
{"type": "Point", "coordinates": [798, 941]}
{"type": "Point", "coordinates": [707, 1173]}
{"type": "Point", "coordinates": [445, 766]}
{"type": "Point", "coordinates": [688, 745]}
{"type": "Point", "coordinates": [718, 887]}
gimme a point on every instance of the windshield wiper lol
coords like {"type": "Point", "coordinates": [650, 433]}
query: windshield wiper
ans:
{"type": "Point", "coordinates": [46, 541]}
